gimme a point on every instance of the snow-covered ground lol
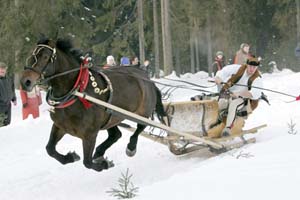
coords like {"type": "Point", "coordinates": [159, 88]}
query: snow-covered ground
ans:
{"type": "Point", "coordinates": [269, 169]}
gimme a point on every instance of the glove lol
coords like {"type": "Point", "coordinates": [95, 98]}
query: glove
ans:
{"type": "Point", "coordinates": [224, 93]}
{"type": "Point", "coordinates": [227, 85]}
{"type": "Point", "coordinates": [25, 105]}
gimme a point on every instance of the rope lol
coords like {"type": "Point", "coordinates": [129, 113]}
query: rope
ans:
{"type": "Point", "coordinates": [61, 74]}
{"type": "Point", "coordinates": [159, 83]}
{"type": "Point", "coordinates": [193, 84]}
{"type": "Point", "coordinates": [297, 98]}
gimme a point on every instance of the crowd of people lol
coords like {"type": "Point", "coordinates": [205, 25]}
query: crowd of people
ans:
{"type": "Point", "coordinates": [240, 58]}
{"type": "Point", "coordinates": [126, 62]}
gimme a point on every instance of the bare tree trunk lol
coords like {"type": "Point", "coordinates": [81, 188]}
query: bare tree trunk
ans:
{"type": "Point", "coordinates": [162, 7]}
{"type": "Point", "coordinates": [192, 50]}
{"type": "Point", "coordinates": [177, 61]}
{"type": "Point", "coordinates": [197, 52]}
{"type": "Point", "coordinates": [166, 37]}
{"type": "Point", "coordinates": [298, 22]}
{"type": "Point", "coordinates": [209, 49]}
{"type": "Point", "coordinates": [156, 39]}
{"type": "Point", "coordinates": [196, 44]}
{"type": "Point", "coordinates": [17, 53]}
{"type": "Point", "coordinates": [16, 3]}
{"type": "Point", "coordinates": [141, 31]}
{"type": "Point", "coordinates": [17, 63]}
{"type": "Point", "coordinates": [192, 45]}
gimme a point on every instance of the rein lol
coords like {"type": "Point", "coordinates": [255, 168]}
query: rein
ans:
{"type": "Point", "coordinates": [187, 82]}
{"type": "Point", "coordinates": [63, 73]}
{"type": "Point", "coordinates": [297, 98]}
{"type": "Point", "coordinates": [164, 84]}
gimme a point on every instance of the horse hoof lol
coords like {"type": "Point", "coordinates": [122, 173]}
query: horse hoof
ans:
{"type": "Point", "coordinates": [103, 161]}
{"type": "Point", "coordinates": [110, 163]}
{"type": "Point", "coordinates": [130, 153]}
{"type": "Point", "coordinates": [74, 156]}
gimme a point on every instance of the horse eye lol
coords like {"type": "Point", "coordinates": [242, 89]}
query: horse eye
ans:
{"type": "Point", "coordinates": [46, 57]}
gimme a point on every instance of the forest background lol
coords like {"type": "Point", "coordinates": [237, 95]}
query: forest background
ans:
{"type": "Point", "coordinates": [175, 35]}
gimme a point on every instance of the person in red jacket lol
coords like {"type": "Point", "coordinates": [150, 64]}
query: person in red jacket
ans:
{"type": "Point", "coordinates": [31, 102]}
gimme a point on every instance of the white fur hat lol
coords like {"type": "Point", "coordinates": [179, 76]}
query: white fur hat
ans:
{"type": "Point", "coordinates": [110, 60]}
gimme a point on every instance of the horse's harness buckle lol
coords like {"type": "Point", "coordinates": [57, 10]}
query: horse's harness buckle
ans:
{"type": "Point", "coordinates": [52, 103]}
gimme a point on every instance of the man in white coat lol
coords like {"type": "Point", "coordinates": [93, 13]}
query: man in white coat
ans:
{"type": "Point", "coordinates": [237, 93]}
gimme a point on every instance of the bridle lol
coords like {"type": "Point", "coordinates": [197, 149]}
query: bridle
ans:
{"type": "Point", "coordinates": [35, 52]}
{"type": "Point", "coordinates": [44, 78]}
{"type": "Point", "coordinates": [80, 84]}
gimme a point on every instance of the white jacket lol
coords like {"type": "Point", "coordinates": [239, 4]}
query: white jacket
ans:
{"type": "Point", "coordinates": [229, 70]}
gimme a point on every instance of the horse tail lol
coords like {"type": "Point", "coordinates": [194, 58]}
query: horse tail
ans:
{"type": "Point", "coordinates": [159, 108]}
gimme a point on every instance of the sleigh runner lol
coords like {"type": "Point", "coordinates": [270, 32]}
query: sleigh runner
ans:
{"type": "Point", "coordinates": [188, 126]}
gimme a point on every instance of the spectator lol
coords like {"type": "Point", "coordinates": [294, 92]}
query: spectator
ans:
{"type": "Point", "coordinates": [7, 95]}
{"type": "Point", "coordinates": [242, 55]}
{"type": "Point", "coordinates": [110, 62]}
{"type": "Point", "coordinates": [135, 61]}
{"type": "Point", "coordinates": [146, 63]}
{"type": "Point", "coordinates": [219, 62]}
{"type": "Point", "coordinates": [31, 102]}
{"type": "Point", "coordinates": [124, 61]}
{"type": "Point", "coordinates": [147, 68]}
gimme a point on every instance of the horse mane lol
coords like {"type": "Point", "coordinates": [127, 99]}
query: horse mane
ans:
{"type": "Point", "coordinates": [65, 45]}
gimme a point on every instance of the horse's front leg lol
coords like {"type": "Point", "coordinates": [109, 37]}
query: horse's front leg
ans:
{"type": "Point", "coordinates": [88, 148]}
{"type": "Point", "coordinates": [55, 136]}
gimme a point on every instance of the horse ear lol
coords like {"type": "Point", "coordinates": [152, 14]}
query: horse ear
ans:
{"type": "Point", "coordinates": [56, 34]}
{"type": "Point", "coordinates": [42, 36]}
{"type": "Point", "coordinates": [52, 43]}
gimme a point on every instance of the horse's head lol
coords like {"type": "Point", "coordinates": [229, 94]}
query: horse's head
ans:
{"type": "Point", "coordinates": [39, 65]}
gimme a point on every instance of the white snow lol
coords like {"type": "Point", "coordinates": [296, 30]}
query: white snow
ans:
{"type": "Point", "coordinates": [269, 170]}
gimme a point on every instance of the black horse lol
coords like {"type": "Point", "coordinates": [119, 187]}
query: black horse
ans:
{"type": "Point", "coordinates": [56, 66]}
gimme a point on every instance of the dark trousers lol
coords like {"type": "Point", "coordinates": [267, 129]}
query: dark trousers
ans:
{"type": "Point", "coordinates": [5, 114]}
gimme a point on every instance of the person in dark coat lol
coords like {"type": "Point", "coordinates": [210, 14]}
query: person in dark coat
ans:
{"type": "Point", "coordinates": [135, 61]}
{"type": "Point", "coordinates": [7, 95]}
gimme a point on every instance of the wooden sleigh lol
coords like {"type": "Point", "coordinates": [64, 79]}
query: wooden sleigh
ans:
{"type": "Point", "coordinates": [189, 126]}
{"type": "Point", "coordinates": [199, 118]}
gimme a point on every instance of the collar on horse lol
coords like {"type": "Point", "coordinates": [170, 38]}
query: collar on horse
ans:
{"type": "Point", "coordinates": [69, 98]}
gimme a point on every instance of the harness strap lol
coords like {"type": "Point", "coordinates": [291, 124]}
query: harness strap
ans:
{"type": "Point", "coordinates": [109, 85]}
{"type": "Point", "coordinates": [64, 104]}
{"type": "Point", "coordinates": [69, 99]}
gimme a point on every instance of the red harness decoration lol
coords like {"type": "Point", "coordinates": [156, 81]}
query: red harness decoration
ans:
{"type": "Point", "coordinates": [82, 81]}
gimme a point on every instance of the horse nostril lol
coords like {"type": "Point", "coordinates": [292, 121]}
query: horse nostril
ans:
{"type": "Point", "coordinates": [27, 83]}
